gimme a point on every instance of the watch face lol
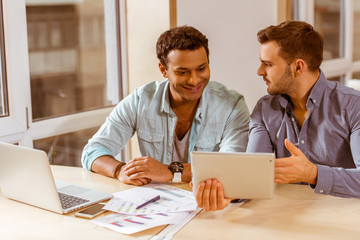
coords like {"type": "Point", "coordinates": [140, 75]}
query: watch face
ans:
{"type": "Point", "coordinates": [176, 167]}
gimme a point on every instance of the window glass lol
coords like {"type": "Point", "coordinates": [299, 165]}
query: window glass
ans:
{"type": "Point", "coordinates": [356, 75]}
{"type": "Point", "coordinates": [67, 57]}
{"type": "Point", "coordinates": [65, 149]}
{"type": "Point", "coordinates": [327, 20]}
{"type": "Point", "coordinates": [355, 81]}
{"type": "Point", "coordinates": [356, 54]}
{"type": "Point", "coordinates": [337, 79]}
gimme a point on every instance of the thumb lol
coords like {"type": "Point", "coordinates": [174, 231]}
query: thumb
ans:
{"type": "Point", "coordinates": [292, 148]}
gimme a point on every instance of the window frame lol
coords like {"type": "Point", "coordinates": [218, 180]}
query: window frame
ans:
{"type": "Point", "coordinates": [15, 36]}
{"type": "Point", "coordinates": [19, 126]}
{"type": "Point", "coordinates": [343, 66]}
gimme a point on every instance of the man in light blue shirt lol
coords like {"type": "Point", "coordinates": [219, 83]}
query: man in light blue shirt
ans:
{"type": "Point", "coordinates": [312, 124]}
{"type": "Point", "coordinates": [184, 113]}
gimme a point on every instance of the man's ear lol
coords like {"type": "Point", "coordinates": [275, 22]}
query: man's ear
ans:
{"type": "Point", "coordinates": [299, 67]}
{"type": "Point", "coordinates": [163, 70]}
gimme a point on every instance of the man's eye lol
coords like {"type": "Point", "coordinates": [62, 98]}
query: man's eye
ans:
{"type": "Point", "coordinates": [180, 72]}
{"type": "Point", "coordinates": [201, 69]}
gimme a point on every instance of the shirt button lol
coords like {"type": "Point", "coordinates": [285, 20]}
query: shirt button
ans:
{"type": "Point", "coordinates": [314, 101]}
{"type": "Point", "coordinates": [293, 119]}
{"type": "Point", "coordinates": [321, 191]}
{"type": "Point", "coordinates": [302, 141]}
{"type": "Point", "coordinates": [173, 119]}
{"type": "Point", "coordinates": [150, 137]}
{"type": "Point", "coordinates": [169, 144]}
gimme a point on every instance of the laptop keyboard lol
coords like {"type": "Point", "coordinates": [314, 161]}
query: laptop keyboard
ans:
{"type": "Point", "coordinates": [68, 201]}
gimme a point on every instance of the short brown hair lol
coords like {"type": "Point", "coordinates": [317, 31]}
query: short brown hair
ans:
{"type": "Point", "coordinates": [182, 38]}
{"type": "Point", "coordinates": [296, 39]}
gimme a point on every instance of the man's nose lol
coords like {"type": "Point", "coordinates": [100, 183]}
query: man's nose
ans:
{"type": "Point", "coordinates": [260, 70]}
{"type": "Point", "coordinates": [193, 79]}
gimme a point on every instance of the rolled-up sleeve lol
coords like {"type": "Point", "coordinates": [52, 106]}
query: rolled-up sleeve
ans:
{"type": "Point", "coordinates": [113, 135]}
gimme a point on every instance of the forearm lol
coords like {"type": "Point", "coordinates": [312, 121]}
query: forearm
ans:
{"type": "Point", "coordinates": [106, 165]}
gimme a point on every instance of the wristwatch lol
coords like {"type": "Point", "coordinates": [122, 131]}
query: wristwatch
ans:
{"type": "Point", "coordinates": [176, 168]}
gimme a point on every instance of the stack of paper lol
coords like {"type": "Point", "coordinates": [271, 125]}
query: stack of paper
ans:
{"type": "Point", "coordinates": [174, 206]}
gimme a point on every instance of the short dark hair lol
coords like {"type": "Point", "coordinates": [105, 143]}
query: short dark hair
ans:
{"type": "Point", "coordinates": [296, 39]}
{"type": "Point", "coordinates": [182, 38]}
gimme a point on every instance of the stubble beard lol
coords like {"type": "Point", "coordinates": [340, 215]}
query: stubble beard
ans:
{"type": "Point", "coordinates": [284, 85]}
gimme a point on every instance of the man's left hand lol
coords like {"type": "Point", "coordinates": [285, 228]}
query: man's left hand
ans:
{"type": "Point", "coordinates": [296, 168]}
{"type": "Point", "coordinates": [210, 195]}
{"type": "Point", "coordinates": [147, 167]}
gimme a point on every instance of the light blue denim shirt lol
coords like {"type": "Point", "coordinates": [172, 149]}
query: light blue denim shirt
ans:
{"type": "Point", "coordinates": [221, 123]}
{"type": "Point", "coordinates": [329, 137]}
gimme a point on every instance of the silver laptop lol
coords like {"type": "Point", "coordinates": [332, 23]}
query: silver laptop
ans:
{"type": "Point", "coordinates": [243, 175]}
{"type": "Point", "coordinates": [25, 176]}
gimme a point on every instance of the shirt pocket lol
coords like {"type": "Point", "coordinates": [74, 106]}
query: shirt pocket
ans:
{"type": "Point", "coordinates": [208, 144]}
{"type": "Point", "coordinates": [150, 143]}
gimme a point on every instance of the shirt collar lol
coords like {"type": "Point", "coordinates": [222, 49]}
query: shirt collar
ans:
{"type": "Point", "coordinates": [165, 101]}
{"type": "Point", "coordinates": [315, 95]}
{"type": "Point", "coordinates": [318, 90]}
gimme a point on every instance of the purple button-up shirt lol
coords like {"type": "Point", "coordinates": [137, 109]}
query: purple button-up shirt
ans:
{"type": "Point", "coordinates": [329, 137]}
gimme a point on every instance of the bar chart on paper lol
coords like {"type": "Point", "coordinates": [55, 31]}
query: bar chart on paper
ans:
{"type": "Point", "coordinates": [171, 200]}
{"type": "Point", "coordinates": [173, 206]}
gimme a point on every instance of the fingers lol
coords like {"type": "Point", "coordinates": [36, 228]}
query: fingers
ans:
{"type": "Point", "coordinates": [199, 194]}
{"type": "Point", "coordinates": [139, 181]}
{"type": "Point", "coordinates": [292, 148]}
{"type": "Point", "coordinates": [222, 201]}
{"type": "Point", "coordinates": [213, 196]}
{"type": "Point", "coordinates": [134, 163]}
{"type": "Point", "coordinates": [203, 194]}
{"type": "Point", "coordinates": [206, 195]}
{"type": "Point", "coordinates": [210, 196]}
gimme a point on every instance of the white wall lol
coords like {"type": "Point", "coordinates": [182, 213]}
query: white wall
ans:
{"type": "Point", "coordinates": [231, 27]}
{"type": "Point", "coordinates": [146, 20]}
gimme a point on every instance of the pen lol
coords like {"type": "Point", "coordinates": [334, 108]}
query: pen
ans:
{"type": "Point", "coordinates": [149, 201]}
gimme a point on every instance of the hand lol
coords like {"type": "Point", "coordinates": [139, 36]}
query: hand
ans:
{"type": "Point", "coordinates": [147, 167]}
{"type": "Point", "coordinates": [296, 168]}
{"type": "Point", "coordinates": [210, 195]}
{"type": "Point", "coordinates": [125, 179]}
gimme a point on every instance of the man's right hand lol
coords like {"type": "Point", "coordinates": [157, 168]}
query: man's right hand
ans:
{"type": "Point", "coordinates": [106, 164]}
{"type": "Point", "coordinates": [126, 179]}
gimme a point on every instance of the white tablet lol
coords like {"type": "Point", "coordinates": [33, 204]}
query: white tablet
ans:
{"type": "Point", "coordinates": [243, 175]}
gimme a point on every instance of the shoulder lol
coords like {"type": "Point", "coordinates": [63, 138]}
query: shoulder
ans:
{"type": "Point", "coordinates": [216, 91]}
{"type": "Point", "coordinates": [343, 94]}
{"type": "Point", "coordinates": [152, 87]}
{"type": "Point", "coordinates": [270, 102]}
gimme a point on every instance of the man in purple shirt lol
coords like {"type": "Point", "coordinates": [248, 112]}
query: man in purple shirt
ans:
{"type": "Point", "coordinates": [312, 124]}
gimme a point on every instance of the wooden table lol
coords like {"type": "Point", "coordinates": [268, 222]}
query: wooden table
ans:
{"type": "Point", "coordinates": [295, 212]}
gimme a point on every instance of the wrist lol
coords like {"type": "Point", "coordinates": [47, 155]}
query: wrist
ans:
{"type": "Point", "coordinates": [118, 170]}
{"type": "Point", "coordinates": [313, 175]}
{"type": "Point", "coordinates": [176, 169]}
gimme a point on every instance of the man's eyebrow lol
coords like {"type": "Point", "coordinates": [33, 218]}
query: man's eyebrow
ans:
{"type": "Point", "coordinates": [265, 61]}
{"type": "Point", "coordinates": [181, 68]}
{"type": "Point", "coordinates": [184, 68]}
{"type": "Point", "coordinates": [203, 65]}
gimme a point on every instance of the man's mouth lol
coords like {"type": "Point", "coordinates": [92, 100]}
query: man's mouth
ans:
{"type": "Point", "coordinates": [193, 89]}
{"type": "Point", "coordinates": [266, 81]}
